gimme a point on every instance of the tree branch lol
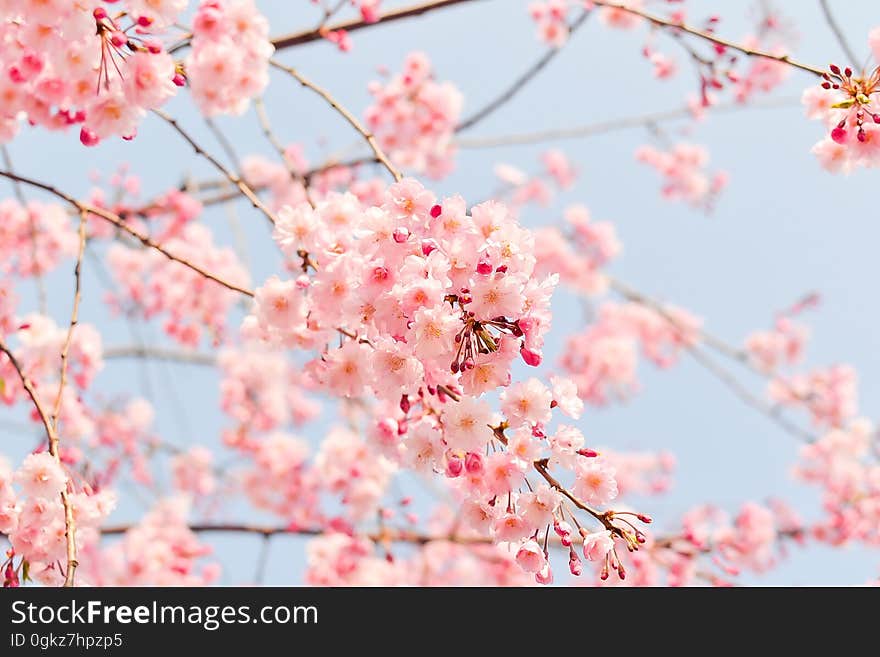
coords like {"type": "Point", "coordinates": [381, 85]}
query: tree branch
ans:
{"type": "Point", "coordinates": [299, 38]}
{"type": "Point", "coordinates": [52, 435]}
{"type": "Point", "coordinates": [346, 114]}
{"type": "Point", "coordinates": [120, 223]}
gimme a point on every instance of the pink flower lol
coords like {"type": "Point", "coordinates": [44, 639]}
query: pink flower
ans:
{"type": "Point", "coordinates": [41, 476]}
{"type": "Point", "coordinates": [526, 402]}
{"type": "Point", "coordinates": [530, 557]}
{"type": "Point", "coordinates": [594, 481]}
{"type": "Point", "coordinates": [466, 425]}
{"type": "Point", "coordinates": [597, 545]}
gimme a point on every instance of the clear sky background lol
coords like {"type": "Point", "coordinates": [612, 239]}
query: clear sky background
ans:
{"type": "Point", "coordinates": [783, 228]}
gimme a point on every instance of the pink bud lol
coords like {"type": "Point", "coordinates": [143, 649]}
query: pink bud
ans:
{"type": "Point", "coordinates": [428, 246]}
{"type": "Point", "coordinates": [454, 466]}
{"type": "Point", "coordinates": [436, 211]}
{"type": "Point", "coordinates": [401, 234]}
{"type": "Point", "coordinates": [404, 403]}
{"type": "Point", "coordinates": [484, 267]}
{"type": "Point", "coordinates": [99, 13]}
{"type": "Point", "coordinates": [178, 79]}
{"type": "Point", "coordinates": [545, 575]}
{"type": "Point", "coordinates": [575, 565]}
{"type": "Point", "coordinates": [562, 528]}
{"type": "Point", "coordinates": [473, 462]}
{"type": "Point", "coordinates": [530, 357]}
{"type": "Point", "coordinates": [144, 21]}
{"type": "Point", "coordinates": [88, 138]}
{"type": "Point", "coordinates": [154, 48]}
{"type": "Point", "coordinates": [589, 453]}
{"type": "Point", "coordinates": [838, 135]}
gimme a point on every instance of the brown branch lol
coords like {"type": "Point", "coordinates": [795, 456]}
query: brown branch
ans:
{"type": "Point", "coordinates": [236, 180]}
{"type": "Point", "coordinates": [52, 435]}
{"type": "Point", "coordinates": [520, 83]}
{"type": "Point", "coordinates": [120, 223]}
{"type": "Point", "coordinates": [307, 36]}
{"type": "Point", "coordinates": [664, 23]}
{"type": "Point", "coordinates": [346, 114]}
{"type": "Point", "coordinates": [838, 33]}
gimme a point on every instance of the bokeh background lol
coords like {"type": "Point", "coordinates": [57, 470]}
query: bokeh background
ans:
{"type": "Point", "coordinates": [783, 228]}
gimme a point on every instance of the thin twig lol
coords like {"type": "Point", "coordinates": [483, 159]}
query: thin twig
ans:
{"type": "Point", "coordinates": [520, 83]}
{"type": "Point", "coordinates": [346, 114]}
{"type": "Point", "coordinates": [838, 33]}
{"type": "Point", "coordinates": [74, 318]}
{"type": "Point", "coordinates": [232, 177]}
{"type": "Point", "coordinates": [266, 126]}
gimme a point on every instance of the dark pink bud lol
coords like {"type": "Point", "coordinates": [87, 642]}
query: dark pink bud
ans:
{"type": "Point", "coordinates": [530, 357]}
{"type": "Point", "coordinates": [88, 138]}
{"type": "Point", "coordinates": [99, 13]}
{"type": "Point", "coordinates": [838, 135]}
{"type": "Point", "coordinates": [401, 234]}
{"type": "Point", "coordinates": [454, 466]}
{"type": "Point", "coordinates": [144, 21]}
{"type": "Point", "coordinates": [404, 403]}
{"type": "Point", "coordinates": [835, 69]}
{"type": "Point", "coordinates": [645, 518]}
{"type": "Point", "coordinates": [861, 135]}
{"type": "Point", "coordinates": [436, 211]}
{"type": "Point", "coordinates": [484, 267]}
{"type": "Point", "coordinates": [574, 564]}
{"type": "Point", "coordinates": [428, 247]}
{"type": "Point", "coordinates": [178, 79]}
{"type": "Point", "coordinates": [589, 453]}
{"type": "Point", "coordinates": [154, 48]}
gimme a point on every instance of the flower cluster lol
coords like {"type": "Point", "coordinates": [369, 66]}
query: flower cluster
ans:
{"type": "Point", "coordinates": [602, 360]}
{"type": "Point", "coordinates": [65, 64]}
{"type": "Point", "coordinates": [229, 61]}
{"type": "Point", "coordinates": [414, 117]}
{"type": "Point", "coordinates": [847, 103]}
{"type": "Point", "coordinates": [34, 238]}
{"type": "Point", "coordinates": [32, 516]}
{"type": "Point", "coordinates": [685, 178]}
{"type": "Point", "coordinates": [152, 285]}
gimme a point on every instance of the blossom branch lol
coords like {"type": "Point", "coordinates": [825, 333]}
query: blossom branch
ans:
{"type": "Point", "coordinates": [120, 223]}
{"type": "Point", "coordinates": [52, 435]}
{"type": "Point", "coordinates": [307, 36]}
{"type": "Point", "coordinates": [346, 114]}
{"type": "Point", "coordinates": [74, 318]}
{"type": "Point", "coordinates": [675, 26]}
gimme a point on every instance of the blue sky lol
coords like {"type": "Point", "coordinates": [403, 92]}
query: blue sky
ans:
{"type": "Point", "coordinates": [783, 228]}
